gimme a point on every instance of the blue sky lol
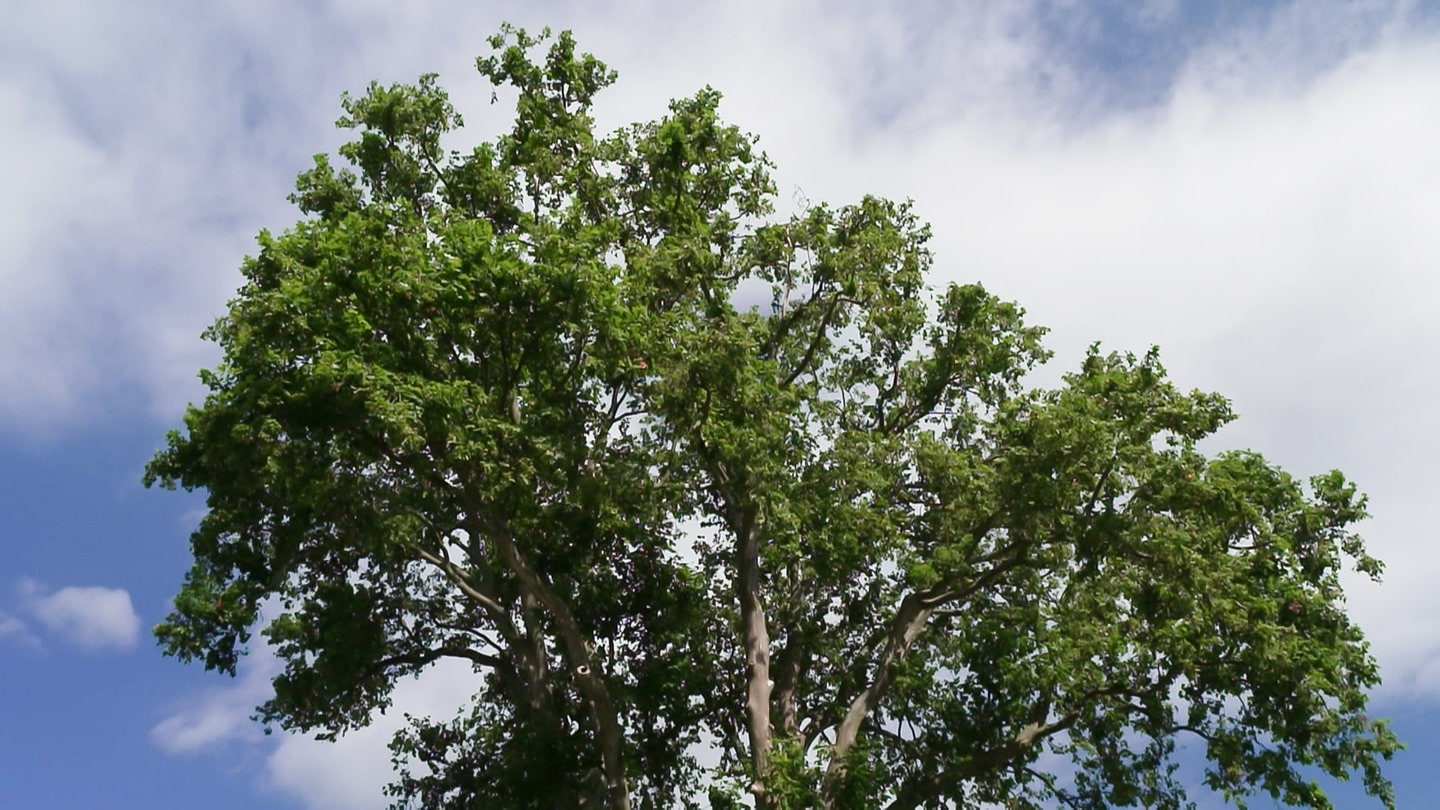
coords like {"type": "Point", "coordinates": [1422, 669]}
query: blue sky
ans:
{"type": "Point", "coordinates": [1251, 186]}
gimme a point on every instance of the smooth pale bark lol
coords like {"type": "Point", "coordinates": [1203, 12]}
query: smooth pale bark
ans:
{"type": "Point", "coordinates": [755, 636]}
{"type": "Point", "coordinates": [907, 625]}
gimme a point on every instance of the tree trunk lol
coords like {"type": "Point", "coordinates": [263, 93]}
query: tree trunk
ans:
{"type": "Point", "coordinates": [755, 636]}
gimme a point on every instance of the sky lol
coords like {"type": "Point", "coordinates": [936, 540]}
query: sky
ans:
{"type": "Point", "coordinates": [1252, 186]}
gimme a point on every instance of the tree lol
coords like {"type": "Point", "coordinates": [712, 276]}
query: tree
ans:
{"type": "Point", "coordinates": [510, 406]}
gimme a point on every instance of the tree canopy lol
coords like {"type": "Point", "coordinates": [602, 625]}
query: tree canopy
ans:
{"type": "Point", "coordinates": [727, 508]}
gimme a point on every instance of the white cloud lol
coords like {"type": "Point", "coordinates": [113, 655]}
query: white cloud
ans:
{"type": "Point", "coordinates": [93, 619]}
{"type": "Point", "coordinates": [347, 774]}
{"type": "Point", "coordinates": [221, 715]}
{"type": "Point", "coordinates": [209, 723]}
{"type": "Point", "coordinates": [217, 716]}
{"type": "Point", "coordinates": [350, 773]}
{"type": "Point", "coordinates": [16, 631]}
{"type": "Point", "coordinates": [1279, 248]}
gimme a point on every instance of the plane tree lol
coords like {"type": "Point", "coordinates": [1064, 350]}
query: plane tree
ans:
{"type": "Point", "coordinates": [726, 508]}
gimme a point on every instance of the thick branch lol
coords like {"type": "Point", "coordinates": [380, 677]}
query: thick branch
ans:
{"type": "Point", "coordinates": [923, 788]}
{"type": "Point", "coordinates": [909, 621]}
{"type": "Point", "coordinates": [821, 332]}
{"type": "Point", "coordinates": [788, 669]}
{"type": "Point", "coordinates": [458, 577]}
{"type": "Point", "coordinates": [588, 680]}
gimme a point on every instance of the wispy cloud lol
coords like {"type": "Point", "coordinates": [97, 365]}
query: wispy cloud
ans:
{"type": "Point", "coordinates": [348, 774]}
{"type": "Point", "coordinates": [92, 618]}
{"type": "Point", "coordinates": [218, 716]}
{"type": "Point", "coordinates": [15, 631]}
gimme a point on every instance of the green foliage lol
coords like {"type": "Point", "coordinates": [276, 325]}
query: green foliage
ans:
{"type": "Point", "coordinates": [515, 406]}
